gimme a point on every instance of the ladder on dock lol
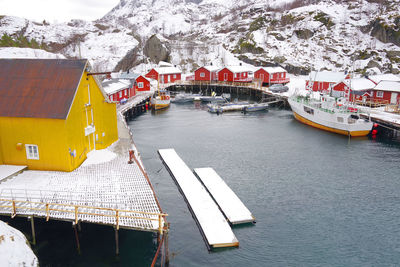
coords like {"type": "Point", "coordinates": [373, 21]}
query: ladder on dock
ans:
{"type": "Point", "coordinates": [212, 223]}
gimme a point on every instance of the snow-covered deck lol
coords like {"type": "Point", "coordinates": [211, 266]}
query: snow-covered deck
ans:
{"type": "Point", "coordinates": [232, 207]}
{"type": "Point", "coordinates": [95, 192]}
{"type": "Point", "coordinates": [105, 189]}
{"type": "Point", "coordinates": [213, 225]}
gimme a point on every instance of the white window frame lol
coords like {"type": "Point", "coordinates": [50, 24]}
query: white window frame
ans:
{"type": "Point", "coordinates": [32, 151]}
{"type": "Point", "coordinates": [140, 85]}
{"type": "Point", "coordinates": [174, 76]}
{"type": "Point", "coordinates": [202, 74]}
{"type": "Point", "coordinates": [379, 94]}
{"type": "Point", "coordinates": [120, 94]}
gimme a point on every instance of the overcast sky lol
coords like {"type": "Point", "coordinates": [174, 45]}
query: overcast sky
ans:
{"type": "Point", "coordinates": [57, 10]}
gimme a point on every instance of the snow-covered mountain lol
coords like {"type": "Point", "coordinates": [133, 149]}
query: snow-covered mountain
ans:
{"type": "Point", "coordinates": [298, 34]}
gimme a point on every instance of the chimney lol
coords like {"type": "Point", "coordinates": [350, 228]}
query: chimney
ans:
{"type": "Point", "coordinates": [240, 63]}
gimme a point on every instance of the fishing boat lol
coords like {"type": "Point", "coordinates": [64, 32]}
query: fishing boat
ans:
{"type": "Point", "coordinates": [330, 114]}
{"type": "Point", "coordinates": [255, 107]}
{"type": "Point", "coordinates": [160, 99]}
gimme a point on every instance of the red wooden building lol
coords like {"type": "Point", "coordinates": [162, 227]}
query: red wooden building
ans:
{"type": "Point", "coordinates": [234, 74]}
{"type": "Point", "coordinates": [272, 75]}
{"type": "Point", "coordinates": [354, 89]}
{"type": "Point", "coordinates": [387, 92]}
{"type": "Point", "coordinates": [323, 81]}
{"type": "Point", "coordinates": [165, 74]}
{"type": "Point", "coordinates": [206, 73]}
{"type": "Point", "coordinates": [119, 89]}
{"type": "Point", "coordinates": [142, 84]}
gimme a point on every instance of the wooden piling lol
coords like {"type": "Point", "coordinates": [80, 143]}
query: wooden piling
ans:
{"type": "Point", "coordinates": [116, 242]}
{"type": "Point", "coordinates": [78, 246]}
{"type": "Point", "coordinates": [166, 245]}
{"type": "Point", "coordinates": [33, 231]}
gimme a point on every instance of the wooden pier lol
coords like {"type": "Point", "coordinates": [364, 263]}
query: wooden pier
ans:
{"type": "Point", "coordinates": [229, 203]}
{"type": "Point", "coordinates": [212, 224]}
{"type": "Point", "coordinates": [117, 192]}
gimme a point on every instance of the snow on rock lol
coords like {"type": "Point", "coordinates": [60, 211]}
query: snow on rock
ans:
{"type": "Point", "coordinates": [14, 248]}
{"type": "Point", "coordinates": [16, 52]}
{"type": "Point", "coordinates": [99, 156]}
{"type": "Point", "coordinates": [332, 35]}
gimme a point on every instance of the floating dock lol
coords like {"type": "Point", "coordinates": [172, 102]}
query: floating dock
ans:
{"type": "Point", "coordinates": [214, 227]}
{"type": "Point", "coordinates": [230, 204]}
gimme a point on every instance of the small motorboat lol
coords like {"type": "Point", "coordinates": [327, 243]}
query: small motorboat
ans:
{"type": "Point", "coordinates": [184, 98]}
{"type": "Point", "coordinates": [255, 107]}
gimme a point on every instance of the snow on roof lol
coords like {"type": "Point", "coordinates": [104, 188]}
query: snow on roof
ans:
{"type": "Point", "coordinates": [359, 84]}
{"type": "Point", "coordinates": [115, 85]}
{"type": "Point", "coordinates": [327, 76]}
{"type": "Point", "coordinates": [240, 68]}
{"type": "Point", "coordinates": [167, 70]}
{"type": "Point", "coordinates": [211, 68]}
{"type": "Point", "coordinates": [384, 77]}
{"type": "Point", "coordinates": [392, 86]}
{"type": "Point", "coordinates": [273, 69]}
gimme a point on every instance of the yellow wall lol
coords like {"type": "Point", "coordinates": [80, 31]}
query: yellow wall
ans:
{"type": "Point", "coordinates": [47, 134]}
{"type": "Point", "coordinates": [104, 120]}
{"type": "Point", "coordinates": [56, 138]}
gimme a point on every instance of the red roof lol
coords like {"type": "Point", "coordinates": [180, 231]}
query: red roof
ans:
{"type": "Point", "coordinates": [39, 88]}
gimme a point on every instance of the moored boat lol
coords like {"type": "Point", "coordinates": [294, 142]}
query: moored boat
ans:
{"type": "Point", "coordinates": [184, 98]}
{"type": "Point", "coordinates": [160, 99]}
{"type": "Point", "coordinates": [225, 107]}
{"type": "Point", "coordinates": [255, 107]}
{"type": "Point", "coordinates": [330, 114]}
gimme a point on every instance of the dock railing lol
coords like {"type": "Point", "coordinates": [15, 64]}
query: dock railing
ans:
{"type": "Point", "coordinates": [15, 204]}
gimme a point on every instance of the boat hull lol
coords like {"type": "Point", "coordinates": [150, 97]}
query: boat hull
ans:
{"type": "Point", "coordinates": [160, 106]}
{"type": "Point", "coordinates": [330, 129]}
{"type": "Point", "coordinates": [329, 120]}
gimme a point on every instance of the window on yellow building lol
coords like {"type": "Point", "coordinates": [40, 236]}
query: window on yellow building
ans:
{"type": "Point", "coordinates": [32, 152]}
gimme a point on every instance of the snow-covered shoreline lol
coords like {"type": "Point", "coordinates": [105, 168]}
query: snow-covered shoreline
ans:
{"type": "Point", "coordinates": [14, 248]}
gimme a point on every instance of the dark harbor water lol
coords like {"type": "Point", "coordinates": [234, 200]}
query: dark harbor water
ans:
{"type": "Point", "coordinates": [319, 199]}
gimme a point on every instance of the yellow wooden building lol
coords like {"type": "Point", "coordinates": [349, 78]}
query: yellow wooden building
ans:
{"type": "Point", "coordinates": [52, 113]}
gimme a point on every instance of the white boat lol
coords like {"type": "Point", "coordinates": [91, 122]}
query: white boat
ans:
{"type": "Point", "coordinates": [184, 98]}
{"type": "Point", "coordinates": [255, 107]}
{"type": "Point", "coordinates": [220, 108]}
{"type": "Point", "coordinates": [160, 99]}
{"type": "Point", "coordinates": [214, 98]}
{"type": "Point", "coordinates": [330, 114]}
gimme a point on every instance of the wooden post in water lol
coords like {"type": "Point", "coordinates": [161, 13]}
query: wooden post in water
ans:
{"type": "Point", "coordinates": [166, 245]}
{"type": "Point", "coordinates": [116, 242]}
{"type": "Point", "coordinates": [78, 246]}
{"type": "Point", "coordinates": [33, 231]}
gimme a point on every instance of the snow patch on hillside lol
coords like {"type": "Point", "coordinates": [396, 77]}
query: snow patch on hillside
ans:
{"type": "Point", "coordinates": [15, 52]}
